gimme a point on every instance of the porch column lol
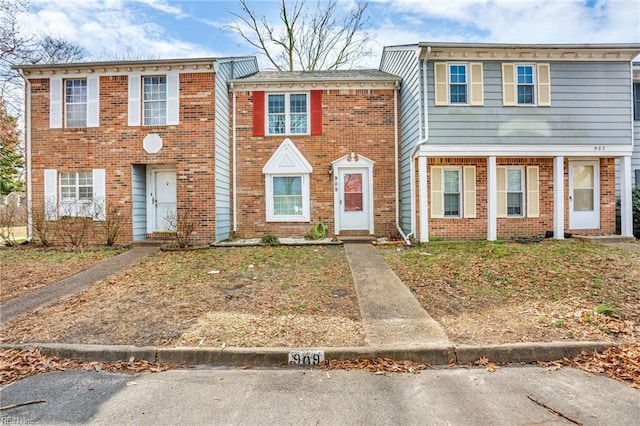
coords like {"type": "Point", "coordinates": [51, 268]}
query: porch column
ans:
{"type": "Point", "coordinates": [492, 199]}
{"type": "Point", "coordinates": [626, 211]}
{"type": "Point", "coordinates": [558, 198]}
{"type": "Point", "coordinates": [423, 200]}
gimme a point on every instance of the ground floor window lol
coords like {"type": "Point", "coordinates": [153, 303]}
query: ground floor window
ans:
{"type": "Point", "coordinates": [453, 191]}
{"type": "Point", "coordinates": [78, 193]}
{"type": "Point", "coordinates": [287, 198]}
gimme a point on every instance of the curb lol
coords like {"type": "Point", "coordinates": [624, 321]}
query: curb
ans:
{"type": "Point", "coordinates": [436, 355]}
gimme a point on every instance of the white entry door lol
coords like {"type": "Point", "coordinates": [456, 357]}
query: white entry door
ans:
{"type": "Point", "coordinates": [162, 196]}
{"type": "Point", "coordinates": [584, 195]}
{"type": "Point", "coordinates": [354, 206]}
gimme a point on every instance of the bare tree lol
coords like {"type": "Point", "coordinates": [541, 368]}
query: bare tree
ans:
{"type": "Point", "coordinates": [307, 37]}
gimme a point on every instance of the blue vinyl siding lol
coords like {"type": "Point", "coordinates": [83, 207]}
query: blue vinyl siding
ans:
{"type": "Point", "coordinates": [139, 201]}
{"type": "Point", "coordinates": [590, 105]}
{"type": "Point", "coordinates": [225, 70]}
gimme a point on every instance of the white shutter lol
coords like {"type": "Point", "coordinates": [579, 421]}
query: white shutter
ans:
{"type": "Point", "coordinates": [501, 181]}
{"type": "Point", "coordinates": [93, 101]}
{"type": "Point", "coordinates": [55, 102]}
{"type": "Point", "coordinates": [476, 83]}
{"type": "Point", "coordinates": [533, 191]}
{"type": "Point", "coordinates": [508, 85]}
{"type": "Point", "coordinates": [441, 82]}
{"type": "Point", "coordinates": [50, 194]}
{"type": "Point", "coordinates": [544, 85]}
{"type": "Point", "coordinates": [99, 194]}
{"type": "Point", "coordinates": [134, 100]}
{"type": "Point", "coordinates": [173, 88]}
{"type": "Point", "coordinates": [437, 191]}
{"type": "Point", "coordinates": [469, 185]}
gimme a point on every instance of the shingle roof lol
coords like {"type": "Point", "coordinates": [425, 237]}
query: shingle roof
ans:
{"type": "Point", "coordinates": [324, 75]}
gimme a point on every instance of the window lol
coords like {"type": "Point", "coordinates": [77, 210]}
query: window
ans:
{"type": "Point", "coordinates": [287, 195]}
{"type": "Point", "coordinates": [525, 84]}
{"type": "Point", "coordinates": [515, 192]}
{"type": "Point", "coordinates": [287, 113]}
{"type": "Point", "coordinates": [154, 99]}
{"type": "Point", "coordinates": [75, 103]}
{"type": "Point", "coordinates": [452, 193]}
{"type": "Point", "coordinates": [76, 186]}
{"type": "Point", "coordinates": [458, 84]}
{"type": "Point", "coordinates": [636, 102]}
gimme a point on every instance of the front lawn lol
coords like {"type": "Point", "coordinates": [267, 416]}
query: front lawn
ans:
{"type": "Point", "coordinates": [485, 292]}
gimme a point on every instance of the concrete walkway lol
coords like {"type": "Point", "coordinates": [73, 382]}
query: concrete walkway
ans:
{"type": "Point", "coordinates": [74, 283]}
{"type": "Point", "coordinates": [391, 314]}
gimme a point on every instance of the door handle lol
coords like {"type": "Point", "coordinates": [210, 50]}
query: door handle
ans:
{"type": "Point", "coordinates": [570, 198]}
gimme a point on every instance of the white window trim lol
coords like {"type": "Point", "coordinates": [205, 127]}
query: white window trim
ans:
{"type": "Point", "coordinates": [305, 215]}
{"type": "Point", "coordinates": [460, 192]}
{"type": "Point", "coordinates": [466, 84]}
{"type": "Point", "coordinates": [53, 197]}
{"type": "Point", "coordinates": [523, 190]}
{"type": "Point", "coordinates": [287, 113]}
{"type": "Point", "coordinates": [534, 90]}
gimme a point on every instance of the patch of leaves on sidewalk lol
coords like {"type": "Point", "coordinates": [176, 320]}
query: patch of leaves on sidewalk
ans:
{"type": "Point", "coordinates": [618, 362]}
{"type": "Point", "coordinates": [374, 365]}
{"type": "Point", "coordinates": [19, 364]}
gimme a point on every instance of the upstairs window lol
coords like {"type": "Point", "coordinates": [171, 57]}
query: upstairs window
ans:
{"type": "Point", "coordinates": [636, 103]}
{"type": "Point", "coordinates": [525, 84]}
{"type": "Point", "coordinates": [287, 113]}
{"type": "Point", "coordinates": [458, 84]}
{"type": "Point", "coordinates": [75, 103]}
{"type": "Point", "coordinates": [154, 100]}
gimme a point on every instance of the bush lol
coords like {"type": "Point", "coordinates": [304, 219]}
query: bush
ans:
{"type": "Point", "coordinates": [270, 240]}
{"type": "Point", "coordinates": [635, 203]}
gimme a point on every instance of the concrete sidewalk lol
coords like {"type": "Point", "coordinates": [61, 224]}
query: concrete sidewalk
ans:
{"type": "Point", "coordinates": [391, 314]}
{"type": "Point", "coordinates": [74, 283]}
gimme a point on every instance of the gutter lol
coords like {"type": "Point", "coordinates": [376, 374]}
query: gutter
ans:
{"type": "Point", "coordinates": [27, 138]}
{"type": "Point", "coordinates": [233, 163]}
{"type": "Point", "coordinates": [397, 160]}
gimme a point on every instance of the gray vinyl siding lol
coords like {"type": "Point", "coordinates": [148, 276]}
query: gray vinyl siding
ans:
{"type": "Point", "coordinates": [404, 63]}
{"type": "Point", "coordinates": [225, 70]}
{"type": "Point", "coordinates": [635, 159]}
{"type": "Point", "coordinates": [590, 105]}
{"type": "Point", "coordinates": [139, 201]}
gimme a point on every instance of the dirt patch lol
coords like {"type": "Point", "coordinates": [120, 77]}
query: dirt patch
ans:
{"type": "Point", "coordinates": [27, 269]}
{"type": "Point", "coordinates": [248, 296]}
{"type": "Point", "coordinates": [483, 292]}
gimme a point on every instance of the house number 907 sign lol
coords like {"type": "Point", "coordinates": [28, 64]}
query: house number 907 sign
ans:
{"type": "Point", "coordinates": [306, 357]}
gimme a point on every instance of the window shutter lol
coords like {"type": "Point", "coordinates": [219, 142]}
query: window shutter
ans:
{"type": "Point", "coordinates": [316, 112]}
{"type": "Point", "coordinates": [477, 87]}
{"type": "Point", "coordinates": [93, 101]}
{"type": "Point", "coordinates": [469, 182]}
{"type": "Point", "coordinates": [173, 94]}
{"type": "Point", "coordinates": [55, 102]}
{"type": "Point", "coordinates": [258, 113]}
{"type": "Point", "coordinates": [501, 181]}
{"type": "Point", "coordinates": [508, 85]}
{"type": "Point", "coordinates": [441, 83]}
{"type": "Point", "coordinates": [50, 194]}
{"type": "Point", "coordinates": [533, 191]}
{"type": "Point", "coordinates": [544, 85]}
{"type": "Point", "coordinates": [437, 192]}
{"type": "Point", "coordinates": [134, 100]}
{"type": "Point", "coordinates": [99, 194]}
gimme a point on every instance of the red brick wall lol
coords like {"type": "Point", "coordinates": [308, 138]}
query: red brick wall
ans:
{"type": "Point", "coordinates": [360, 121]}
{"type": "Point", "coordinates": [476, 228]}
{"type": "Point", "coordinates": [115, 146]}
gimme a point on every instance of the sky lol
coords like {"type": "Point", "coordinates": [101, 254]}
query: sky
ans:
{"type": "Point", "coordinates": [159, 29]}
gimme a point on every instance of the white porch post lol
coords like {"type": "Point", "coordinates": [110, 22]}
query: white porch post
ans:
{"type": "Point", "coordinates": [558, 198]}
{"type": "Point", "coordinates": [626, 211]}
{"type": "Point", "coordinates": [492, 199]}
{"type": "Point", "coordinates": [423, 199]}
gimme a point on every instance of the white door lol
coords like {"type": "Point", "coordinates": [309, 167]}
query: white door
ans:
{"type": "Point", "coordinates": [162, 212]}
{"type": "Point", "coordinates": [354, 199]}
{"type": "Point", "coordinates": [584, 195]}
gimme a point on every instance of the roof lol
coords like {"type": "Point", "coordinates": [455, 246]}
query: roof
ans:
{"type": "Point", "coordinates": [368, 75]}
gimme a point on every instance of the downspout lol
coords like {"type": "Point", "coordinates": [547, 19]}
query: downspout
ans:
{"type": "Point", "coordinates": [27, 138]}
{"type": "Point", "coordinates": [233, 163]}
{"type": "Point", "coordinates": [397, 161]}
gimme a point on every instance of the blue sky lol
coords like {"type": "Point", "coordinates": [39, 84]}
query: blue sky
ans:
{"type": "Point", "coordinates": [151, 29]}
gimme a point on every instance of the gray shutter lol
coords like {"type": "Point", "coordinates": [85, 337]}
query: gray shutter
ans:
{"type": "Point", "coordinates": [93, 101]}
{"type": "Point", "coordinates": [173, 89]}
{"type": "Point", "coordinates": [55, 102]}
{"type": "Point", "coordinates": [134, 100]}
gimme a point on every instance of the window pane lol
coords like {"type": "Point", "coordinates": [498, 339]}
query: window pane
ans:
{"type": "Point", "coordinates": [353, 198]}
{"type": "Point", "coordinates": [276, 104]}
{"type": "Point", "coordinates": [85, 178]}
{"type": "Point", "coordinates": [287, 185]}
{"type": "Point", "coordinates": [525, 94]}
{"type": "Point", "coordinates": [276, 124]}
{"type": "Point", "coordinates": [452, 204]}
{"type": "Point", "coordinates": [458, 93]}
{"type": "Point", "coordinates": [85, 193]}
{"type": "Point", "coordinates": [583, 200]}
{"type": "Point", "coordinates": [451, 181]}
{"type": "Point", "coordinates": [75, 97]}
{"type": "Point", "coordinates": [514, 180]}
{"type": "Point", "coordinates": [287, 195]}
{"type": "Point", "coordinates": [525, 74]}
{"type": "Point", "coordinates": [154, 95]}
{"type": "Point", "coordinates": [299, 123]}
{"type": "Point", "coordinates": [298, 103]}
{"type": "Point", "coordinates": [67, 178]}
{"type": "Point", "coordinates": [514, 204]}
{"type": "Point", "coordinates": [458, 73]}
{"type": "Point", "coordinates": [67, 193]}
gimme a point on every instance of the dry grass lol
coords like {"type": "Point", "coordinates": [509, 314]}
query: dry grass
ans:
{"type": "Point", "coordinates": [483, 292]}
{"type": "Point", "coordinates": [252, 296]}
{"type": "Point", "coordinates": [27, 269]}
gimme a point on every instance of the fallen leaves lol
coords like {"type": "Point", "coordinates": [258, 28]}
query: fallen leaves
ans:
{"type": "Point", "coordinates": [618, 362]}
{"type": "Point", "coordinates": [491, 367]}
{"type": "Point", "coordinates": [16, 365]}
{"type": "Point", "coordinates": [374, 365]}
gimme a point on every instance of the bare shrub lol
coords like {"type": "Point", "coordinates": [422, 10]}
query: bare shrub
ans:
{"type": "Point", "coordinates": [9, 217]}
{"type": "Point", "coordinates": [183, 225]}
{"type": "Point", "coordinates": [111, 224]}
{"type": "Point", "coordinates": [43, 225]}
{"type": "Point", "coordinates": [75, 223]}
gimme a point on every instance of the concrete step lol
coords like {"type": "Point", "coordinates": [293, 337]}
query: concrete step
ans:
{"type": "Point", "coordinates": [604, 239]}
